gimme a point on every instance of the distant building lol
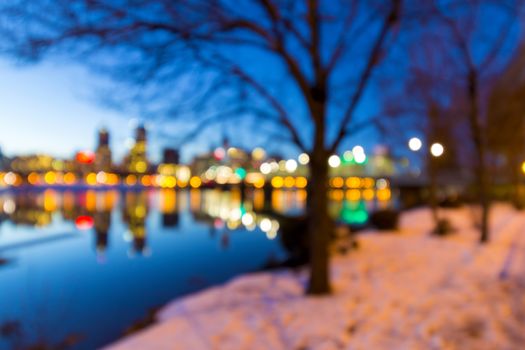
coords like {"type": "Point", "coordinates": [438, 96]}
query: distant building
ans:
{"type": "Point", "coordinates": [3, 161]}
{"type": "Point", "coordinates": [138, 161]}
{"type": "Point", "coordinates": [170, 156]}
{"type": "Point", "coordinates": [39, 163]}
{"type": "Point", "coordinates": [103, 152]}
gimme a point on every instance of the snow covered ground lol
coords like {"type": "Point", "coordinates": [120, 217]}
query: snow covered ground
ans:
{"type": "Point", "coordinates": [402, 290]}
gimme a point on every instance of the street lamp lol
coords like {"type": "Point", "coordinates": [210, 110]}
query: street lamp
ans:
{"type": "Point", "coordinates": [415, 144]}
{"type": "Point", "coordinates": [437, 149]}
{"type": "Point", "coordinates": [334, 161]}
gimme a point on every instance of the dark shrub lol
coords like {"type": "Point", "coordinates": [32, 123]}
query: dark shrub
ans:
{"type": "Point", "coordinates": [451, 202]}
{"type": "Point", "coordinates": [443, 228]}
{"type": "Point", "coordinates": [386, 219]}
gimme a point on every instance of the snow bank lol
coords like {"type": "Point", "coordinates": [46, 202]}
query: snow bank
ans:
{"type": "Point", "coordinates": [405, 290]}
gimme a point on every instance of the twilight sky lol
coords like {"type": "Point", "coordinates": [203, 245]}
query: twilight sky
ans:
{"type": "Point", "coordinates": [47, 108]}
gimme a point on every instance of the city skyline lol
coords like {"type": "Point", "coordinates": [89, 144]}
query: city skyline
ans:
{"type": "Point", "coordinates": [81, 117]}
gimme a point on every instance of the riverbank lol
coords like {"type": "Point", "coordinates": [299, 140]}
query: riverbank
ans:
{"type": "Point", "coordinates": [400, 290]}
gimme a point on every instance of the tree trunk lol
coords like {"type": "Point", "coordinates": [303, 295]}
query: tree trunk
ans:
{"type": "Point", "coordinates": [480, 146]}
{"type": "Point", "coordinates": [433, 191]}
{"type": "Point", "coordinates": [320, 224]}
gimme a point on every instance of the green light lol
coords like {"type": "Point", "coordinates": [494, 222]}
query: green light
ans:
{"type": "Point", "coordinates": [241, 173]}
{"type": "Point", "coordinates": [354, 213]}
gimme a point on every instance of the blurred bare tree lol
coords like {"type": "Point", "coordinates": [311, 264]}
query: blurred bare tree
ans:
{"type": "Point", "coordinates": [478, 50]}
{"type": "Point", "coordinates": [301, 65]}
{"type": "Point", "coordinates": [506, 120]}
{"type": "Point", "coordinates": [428, 110]}
{"type": "Point", "coordinates": [471, 40]}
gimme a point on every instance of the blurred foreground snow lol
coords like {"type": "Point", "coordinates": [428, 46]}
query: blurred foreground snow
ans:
{"type": "Point", "coordinates": [402, 290]}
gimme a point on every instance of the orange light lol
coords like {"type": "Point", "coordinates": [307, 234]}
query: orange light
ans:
{"type": "Point", "coordinates": [195, 182]}
{"type": "Point", "coordinates": [338, 182]}
{"type": "Point", "coordinates": [69, 178]}
{"type": "Point", "coordinates": [131, 180]}
{"type": "Point", "coordinates": [33, 178]}
{"type": "Point", "coordinates": [112, 179]}
{"type": "Point", "coordinates": [301, 182]}
{"type": "Point", "coordinates": [146, 180]}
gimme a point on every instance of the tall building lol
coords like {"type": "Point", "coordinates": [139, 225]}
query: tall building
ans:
{"type": "Point", "coordinates": [138, 161]}
{"type": "Point", "coordinates": [103, 152]}
{"type": "Point", "coordinates": [3, 161]}
{"type": "Point", "coordinates": [170, 156]}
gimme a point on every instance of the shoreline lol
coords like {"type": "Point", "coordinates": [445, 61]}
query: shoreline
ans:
{"type": "Point", "coordinates": [384, 297]}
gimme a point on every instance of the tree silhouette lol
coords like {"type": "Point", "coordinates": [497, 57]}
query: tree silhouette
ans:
{"type": "Point", "coordinates": [292, 64]}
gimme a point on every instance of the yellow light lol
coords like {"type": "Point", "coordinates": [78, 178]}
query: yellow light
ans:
{"type": "Point", "coordinates": [368, 195]}
{"type": "Point", "coordinates": [338, 182]}
{"type": "Point", "coordinates": [289, 182]}
{"type": "Point", "coordinates": [33, 179]}
{"type": "Point", "coordinates": [353, 182]}
{"type": "Point", "coordinates": [353, 195]}
{"type": "Point", "coordinates": [50, 203]}
{"type": "Point", "coordinates": [259, 182]}
{"type": "Point", "coordinates": [69, 178]}
{"type": "Point", "coordinates": [50, 178]}
{"type": "Point", "coordinates": [131, 180]}
{"type": "Point", "coordinates": [383, 194]}
{"type": "Point", "coordinates": [301, 182]}
{"type": "Point", "coordinates": [166, 169]}
{"type": "Point", "coordinates": [141, 166]}
{"type": "Point", "coordinates": [258, 153]}
{"type": "Point", "coordinates": [91, 179]}
{"type": "Point", "coordinates": [112, 179]}
{"type": "Point", "coordinates": [195, 182]}
{"type": "Point", "coordinates": [277, 182]}
{"type": "Point", "coordinates": [523, 167]}
{"type": "Point", "coordinates": [182, 184]}
{"type": "Point", "coordinates": [169, 182]}
{"type": "Point", "coordinates": [140, 211]}
{"type": "Point", "coordinates": [337, 195]}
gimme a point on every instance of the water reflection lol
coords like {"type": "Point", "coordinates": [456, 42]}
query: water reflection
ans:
{"type": "Point", "coordinates": [114, 255]}
{"type": "Point", "coordinates": [221, 210]}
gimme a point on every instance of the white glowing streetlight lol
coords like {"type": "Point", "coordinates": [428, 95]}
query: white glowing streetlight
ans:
{"type": "Point", "coordinates": [415, 144]}
{"type": "Point", "coordinates": [265, 168]}
{"type": "Point", "coordinates": [357, 150]}
{"type": "Point", "coordinates": [437, 149]}
{"type": "Point", "coordinates": [291, 165]}
{"type": "Point", "coordinates": [334, 161]}
{"type": "Point", "coordinates": [303, 158]}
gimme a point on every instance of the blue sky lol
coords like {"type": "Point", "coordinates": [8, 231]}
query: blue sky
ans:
{"type": "Point", "coordinates": [48, 108]}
